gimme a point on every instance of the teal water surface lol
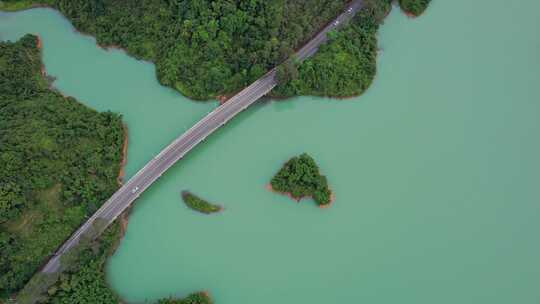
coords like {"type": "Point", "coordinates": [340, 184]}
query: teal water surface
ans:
{"type": "Point", "coordinates": [435, 170]}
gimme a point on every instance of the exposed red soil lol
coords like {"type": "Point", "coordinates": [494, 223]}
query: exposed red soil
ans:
{"type": "Point", "coordinates": [123, 218]}
{"type": "Point", "coordinates": [38, 42]}
{"type": "Point", "coordinates": [223, 98]}
{"type": "Point", "coordinates": [123, 161]}
{"type": "Point", "coordinates": [298, 199]}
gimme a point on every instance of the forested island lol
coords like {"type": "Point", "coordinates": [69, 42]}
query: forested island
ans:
{"type": "Point", "coordinates": [208, 49]}
{"type": "Point", "coordinates": [60, 161]}
{"type": "Point", "coordinates": [195, 298]}
{"type": "Point", "coordinates": [300, 177]}
{"type": "Point", "coordinates": [198, 204]}
{"type": "Point", "coordinates": [414, 7]}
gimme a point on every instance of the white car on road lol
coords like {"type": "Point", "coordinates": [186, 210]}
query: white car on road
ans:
{"type": "Point", "coordinates": [135, 189]}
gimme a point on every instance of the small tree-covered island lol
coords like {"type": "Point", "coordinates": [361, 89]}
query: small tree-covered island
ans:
{"type": "Point", "coordinates": [300, 177]}
{"type": "Point", "coordinates": [198, 204]}
{"type": "Point", "coordinates": [414, 8]}
{"type": "Point", "coordinates": [201, 297]}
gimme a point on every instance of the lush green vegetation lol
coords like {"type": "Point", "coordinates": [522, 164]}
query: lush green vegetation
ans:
{"type": "Point", "coordinates": [209, 48]}
{"type": "Point", "coordinates": [345, 66]}
{"type": "Point", "coordinates": [84, 281]}
{"type": "Point", "coordinates": [195, 298]}
{"type": "Point", "coordinates": [59, 162]}
{"type": "Point", "coordinates": [414, 7]}
{"type": "Point", "coordinates": [83, 278]}
{"type": "Point", "coordinates": [16, 5]}
{"type": "Point", "coordinates": [202, 48]}
{"type": "Point", "coordinates": [300, 177]}
{"type": "Point", "coordinates": [198, 204]}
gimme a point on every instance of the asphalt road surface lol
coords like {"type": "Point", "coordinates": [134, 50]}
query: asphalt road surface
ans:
{"type": "Point", "coordinates": [131, 190]}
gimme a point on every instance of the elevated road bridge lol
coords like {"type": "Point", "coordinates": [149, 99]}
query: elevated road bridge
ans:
{"type": "Point", "coordinates": [144, 178]}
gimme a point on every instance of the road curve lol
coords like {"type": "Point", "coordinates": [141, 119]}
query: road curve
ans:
{"type": "Point", "coordinates": [133, 188]}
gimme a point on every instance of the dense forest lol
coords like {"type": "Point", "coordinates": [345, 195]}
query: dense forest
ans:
{"type": "Point", "coordinates": [82, 279]}
{"type": "Point", "coordinates": [205, 49]}
{"type": "Point", "coordinates": [202, 48]}
{"type": "Point", "coordinates": [414, 7]}
{"type": "Point", "coordinates": [343, 67]}
{"type": "Point", "coordinates": [59, 162]}
{"type": "Point", "coordinates": [195, 298]}
{"type": "Point", "coordinates": [300, 177]}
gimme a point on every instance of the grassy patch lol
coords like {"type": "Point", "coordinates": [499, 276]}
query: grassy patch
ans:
{"type": "Point", "coordinates": [47, 201]}
{"type": "Point", "coordinates": [23, 225]}
{"type": "Point", "coordinates": [198, 204]}
{"type": "Point", "coordinates": [13, 6]}
{"type": "Point", "coordinates": [50, 197]}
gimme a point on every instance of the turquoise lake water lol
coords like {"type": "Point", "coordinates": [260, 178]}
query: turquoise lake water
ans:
{"type": "Point", "coordinates": [436, 170]}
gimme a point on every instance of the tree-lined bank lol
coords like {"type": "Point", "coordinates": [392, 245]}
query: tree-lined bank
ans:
{"type": "Point", "coordinates": [210, 49]}
{"type": "Point", "coordinates": [60, 161]}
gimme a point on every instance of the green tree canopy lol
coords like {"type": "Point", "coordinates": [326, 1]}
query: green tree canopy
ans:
{"type": "Point", "coordinates": [300, 177]}
{"type": "Point", "coordinates": [59, 163]}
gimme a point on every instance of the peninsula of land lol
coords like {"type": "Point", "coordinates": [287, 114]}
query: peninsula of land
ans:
{"type": "Point", "coordinates": [210, 50]}
{"type": "Point", "coordinates": [60, 161]}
